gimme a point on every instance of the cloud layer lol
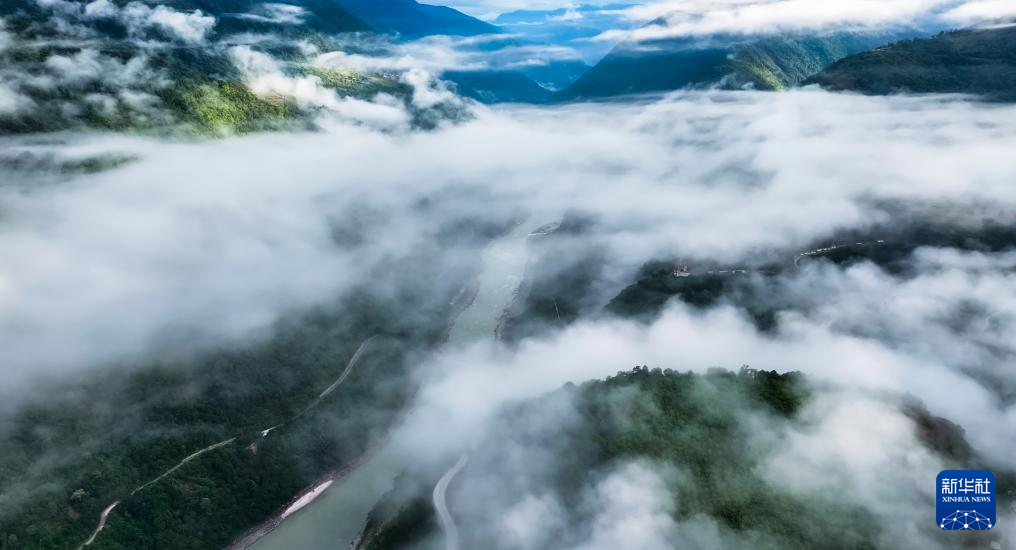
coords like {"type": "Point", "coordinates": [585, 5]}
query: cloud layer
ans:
{"type": "Point", "coordinates": [706, 17]}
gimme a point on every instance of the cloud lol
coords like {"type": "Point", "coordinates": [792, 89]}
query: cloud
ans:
{"type": "Point", "coordinates": [266, 78]}
{"type": "Point", "coordinates": [283, 14]}
{"type": "Point", "coordinates": [853, 446]}
{"type": "Point", "coordinates": [11, 101]}
{"type": "Point", "coordinates": [437, 54]}
{"type": "Point", "coordinates": [706, 175]}
{"type": "Point", "coordinates": [978, 11]}
{"type": "Point", "coordinates": [204, 243]}
{"type": "Point", "coordinates": [635, 507]}
{"type": "Point", "coordinates": [191, 27]}
{"type": "Point", "coordinates": [98, 9]}
{"type": "Point", "coordinates": [706, 17]}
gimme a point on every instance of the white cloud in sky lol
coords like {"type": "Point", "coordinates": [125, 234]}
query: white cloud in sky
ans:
{"type": "Point", "coordinates": [703, 17]}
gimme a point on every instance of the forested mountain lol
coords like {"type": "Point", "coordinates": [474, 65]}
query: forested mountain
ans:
{"type": "Point", "coordinates": [184, 64]}
{"type": "Point", "coordinates": [973, 61]}
{"type": "Point", "coordinates": [573, 27]}
{"type": "Point", "coordinates": [498, 86]}
{"type": "Point", "coordinates": [687, 436]}
{"type": "Point", "coordinates": [261, 420]}
{"type": "Point", "coordinates": [411, 18]}
{"type": "Point", "coordinates": [762, 63]}
{"type": "Point", "coordinates": [107, 18]}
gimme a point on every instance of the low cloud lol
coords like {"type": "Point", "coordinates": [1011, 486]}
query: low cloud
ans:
{"type": "Point", "coordinates": [708, 17]}
{"type": "Point", "coordinates": [188, 27]}
{"type": "Point", "coordinates": [283, 14]}
{"type": "Point", "coordinates": [437, 54]}
{"type": "Point", "coordinates": [980, 11]}
{"type": "Point", "coordinates": [707, 175]}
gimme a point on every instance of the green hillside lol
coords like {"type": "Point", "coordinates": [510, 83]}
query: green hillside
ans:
{"type": "Point", "coordinates": [768, 63]}
{"type": "Point", "coordinates": [698, 427]}
{"type": "Point", "coordinates": [124, 76]}
{"type": "Point", "coordinates": [116, 435]}
{"type": "Point", "coordinates": [972, 61]}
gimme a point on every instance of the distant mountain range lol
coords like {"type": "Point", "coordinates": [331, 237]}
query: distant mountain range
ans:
{"type": "Point", "coordinates": [411, 18]}
{"type": "Point", "coordinates": [975, 61]}
{"type": "Point", "coordinates": [571, 27]}
{"type": "Point", "coordinates": [732, 62]}
{"type": "Point", "coordinates": [498, 86]}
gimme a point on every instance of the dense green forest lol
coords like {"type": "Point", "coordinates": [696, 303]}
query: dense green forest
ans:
{"type": "Point", "coordinates": [92, 441]}
{"type": "Point", "coordinates": [973, 61]}
{"type": "Point", "coordinates": [107, 80]}
{"type": "Point", "coordinates": [765, 63]}
{"type": "Point", "coordinates": [697, 424]}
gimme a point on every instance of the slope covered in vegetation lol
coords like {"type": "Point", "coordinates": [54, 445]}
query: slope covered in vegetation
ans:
{"type": "Point", "coordinates": [704, 435]}
{"type": "Point", "coordinates": [766, 63]}
{"type": "Point", "coordinates": [118, 435]}
{"type": "Point", "coordinates": [113, 66]}
{"type": "Point", "coordinates": [972, 61]}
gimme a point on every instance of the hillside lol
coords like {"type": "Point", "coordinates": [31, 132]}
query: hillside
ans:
{"type": "Point", "coordinates": [319, 391]}
{"type": "Point", "coordinates": [694, 438]}
{"type": "Point", "coordinates": [498, 86]}
{"type": "Point", "coordinates": [768, 63]}
{"type": "Point", "coordinates": [972, 61]}
{"type": "Point", "coordinates": [411, 18]}
{"type": "Point", "coordinates": [177, 67]}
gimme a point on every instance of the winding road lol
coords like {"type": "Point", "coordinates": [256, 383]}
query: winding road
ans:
{"type": "Point", "coordinates": [264, 433]}
{"type": "Point", "coordinates": [441, 505]}
{"type": "Point", "coordinates": [101, 526]}
{"type": "Point", "coordinates": [338, 381]}
{"type": "Point", "coordinates": [179, 465]}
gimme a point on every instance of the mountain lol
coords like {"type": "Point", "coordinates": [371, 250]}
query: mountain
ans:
{"type": "Point", "coordinates": [684, 431]}
{"type": "Point", "coordinates": [167, 67]}
{"type": "Point", "coordinates": [763, 63]}
{"type": "Point", "coordinates": [571, 27]}
{"type": "Point", "coordinates": [556, 75]}
{"type": "Point", "coordinates": [411, 18]}
{"type": "Point", "coordinates": [293, 17]}
{"type": "Point", "coordinates": [973, 61]}
{"type": "Point", "coordinates": [498, 86]}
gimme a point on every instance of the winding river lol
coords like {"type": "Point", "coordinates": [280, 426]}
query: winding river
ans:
{"type": "Point", "coordinates": [335, 518]}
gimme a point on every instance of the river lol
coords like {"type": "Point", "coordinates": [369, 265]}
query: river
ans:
{"type": "Point", "coordinates": [336, 517]}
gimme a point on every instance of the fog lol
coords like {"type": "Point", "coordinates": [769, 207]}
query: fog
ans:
{"type": "Point", "coordinates": [704, 17]}
{"type": "Point", "coordinates": [225, 236]}
{"type": "Point", "coordinates": [199, 242]}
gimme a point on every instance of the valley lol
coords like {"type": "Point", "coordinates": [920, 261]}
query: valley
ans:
{"type": "Point", "coordinates": [501, 274]}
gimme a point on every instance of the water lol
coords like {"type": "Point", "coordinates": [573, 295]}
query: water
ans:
{"type": "Point", "coordinates": [338, 515]}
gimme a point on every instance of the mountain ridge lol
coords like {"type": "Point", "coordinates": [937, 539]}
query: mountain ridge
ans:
{"type": "Point", "coordinates": [978, 61]}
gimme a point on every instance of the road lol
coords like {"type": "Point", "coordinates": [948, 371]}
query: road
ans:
{"type": "Point", "coordinates": [342, 377]}
{"type": "Point", "coordinates": [441, 505]}
{"type": "Point", "coordinates": [101, 526]}
{"type": "Point", "coordinates": [189, 458]}
{"type": "Point", "coordinates": [264, 433]}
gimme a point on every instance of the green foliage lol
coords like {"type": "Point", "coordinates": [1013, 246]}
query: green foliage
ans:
{"type": "Point", "coordinates": [231, 107]}
{"type": "Point", "coordinates": [92, 442]}
{"type": "Point", "coordinates": [766, 63]}
{"type": "Point", "coordinates": [692, 423]}
{"type": "Point", "coordinates": [348, 82]}
{"type": "Point", "coordinates": [981, 61]}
